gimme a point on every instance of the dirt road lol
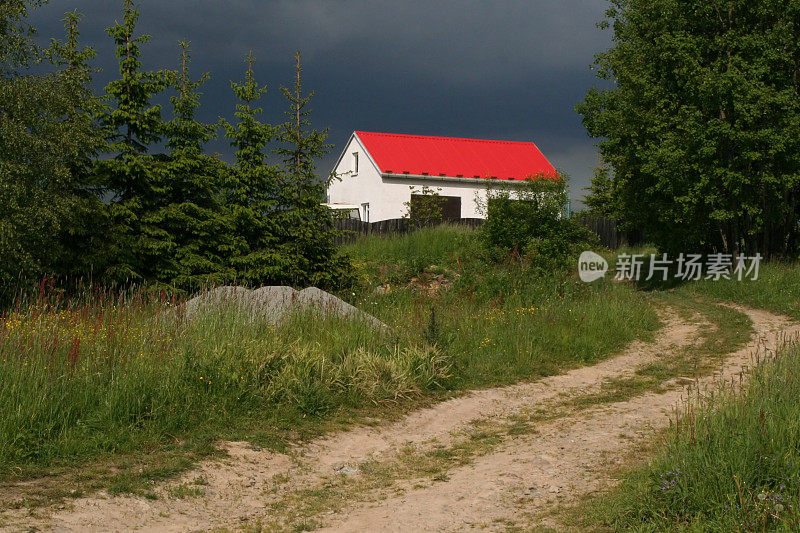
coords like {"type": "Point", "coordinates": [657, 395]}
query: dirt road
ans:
{"type": "Point", "coordinates": [492, 458]}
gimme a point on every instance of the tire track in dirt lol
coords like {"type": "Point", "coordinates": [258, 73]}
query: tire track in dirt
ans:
{"type": "Point", "coordinates": [559, 457]}
{"type": "Point", "coordinates": [566, 460]}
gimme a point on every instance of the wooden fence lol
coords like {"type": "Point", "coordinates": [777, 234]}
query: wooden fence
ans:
{"type": "Point", "coordinates": [353, 228]}
{"type": "Point", "coordinates": [610, 235]}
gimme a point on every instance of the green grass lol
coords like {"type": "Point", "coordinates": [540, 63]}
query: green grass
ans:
{"type": "Point", "coordinates": [729, 464]}
{"type": "Point", "coordinates": [120, 391]}
{"type": "Point", "coordinates": [496, 323]}
{"type": "Point", "coordinates": [723, 331]}
{"type": "Point", "coordinates": [397, 257]}
{"type": "Point", "coordinates": [732, 462]}
{"type": "Point", "coordinates": [115, 377]}
{"type": "Point", "coordinates": [777, 289]}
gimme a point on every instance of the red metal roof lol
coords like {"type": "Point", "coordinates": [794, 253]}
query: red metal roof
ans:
{"type": "Point", "coordinates": [455, 157]}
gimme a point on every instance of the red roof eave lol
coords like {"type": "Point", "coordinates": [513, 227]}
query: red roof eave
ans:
{"type": "Point", "coordinates": [454, 157]}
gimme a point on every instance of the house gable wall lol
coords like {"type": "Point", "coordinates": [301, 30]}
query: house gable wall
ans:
{"type": "Point", "coordinates": [359, 187]}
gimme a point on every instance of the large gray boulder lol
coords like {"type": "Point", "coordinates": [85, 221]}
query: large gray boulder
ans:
{"type": "Point", "coordinates": [327, 303]}
{"type": "Point", "coordinates": [273, 303]}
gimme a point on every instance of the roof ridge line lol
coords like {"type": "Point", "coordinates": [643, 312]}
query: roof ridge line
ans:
{"type": "Point", "coordinates": [469, 139]}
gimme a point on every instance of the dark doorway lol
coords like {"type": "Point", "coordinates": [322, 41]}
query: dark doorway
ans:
{"type": "Point", "coordinates": [428, 208]}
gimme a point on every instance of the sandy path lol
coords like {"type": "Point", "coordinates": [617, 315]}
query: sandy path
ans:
{"type": "Point", "coordinates": [560, 459]}
{"type": "Point", "coordinates": [565, 460]}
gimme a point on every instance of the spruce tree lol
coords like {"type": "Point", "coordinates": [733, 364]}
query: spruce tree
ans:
{"type": "Point", "coordinates": [82, 232]}
{"type": "Point", "coordinates": [307, 226]}
{"type": "Point", "coordinates": [47, 141]}
{"type": "Point", "coordinates": [252, 191]}
{"type": "Point", "coordinates": [139, 249]}
{"type": "Point", "coordinates": [193, 215]}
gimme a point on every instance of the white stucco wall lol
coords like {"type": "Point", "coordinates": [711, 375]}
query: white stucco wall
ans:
{"type": "Point", "coordinates": [357, 188]}
{"type": "Point", "coordinates": [398, 190]}
{"type": "Point", "coordinates": [386, 195]}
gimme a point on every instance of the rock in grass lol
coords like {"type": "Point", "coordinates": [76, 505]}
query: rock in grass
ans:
{"type": "Point", "coordinates": [314, 298]}
{"type": "Point", "coordinates": [273, 303]}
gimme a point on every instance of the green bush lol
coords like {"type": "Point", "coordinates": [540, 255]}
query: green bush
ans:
{"type": "Point", "coordinates": [528, 219]}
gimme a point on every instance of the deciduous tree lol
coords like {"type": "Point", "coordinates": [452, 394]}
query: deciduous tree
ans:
{"type": "Point", "coordinates": [700, 123]}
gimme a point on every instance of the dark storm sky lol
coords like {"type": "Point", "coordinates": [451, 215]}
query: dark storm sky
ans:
{"type": "Point", "coordinates": [491, 69]}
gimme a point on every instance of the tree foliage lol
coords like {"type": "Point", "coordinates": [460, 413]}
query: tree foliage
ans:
{"type": "Point", "coordinates": [160, 210]}
{"type": "Point", "coordinates": [601, 200]}
{"type": "Point", "coordinates": [700, 125]}
{"type": "Point", "coordinates": [253, 191]}
{"type": "Point", "coordinates": [307, 225]}
{"type": "Point", "coordinates": [425, 206]}
{"type": "Point", "coordinates": [138, 248]}
{"type": "Point", "coordinates": [192, 213]}
{"type": "Point", "coordinates": [49, 208]}
{"type": "Point", "coordinates": [17, 48]}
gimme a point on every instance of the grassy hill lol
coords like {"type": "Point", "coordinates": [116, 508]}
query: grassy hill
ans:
{"type": "Point", "coordinates": [112, 377]}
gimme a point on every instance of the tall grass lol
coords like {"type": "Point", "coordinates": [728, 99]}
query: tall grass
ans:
{"type": "Point", "coordinates": [114, 374]}
{"type": "Point", "coordinates": [117, 373]}
{"type": "Point", "coordinates": [729, 464]}
{"type": "Point", "coordinates": [496, 322]}
{"type": "Point", "coordinates": [777, 289]}
{"type": "Point", "coordinates": [419, 249]}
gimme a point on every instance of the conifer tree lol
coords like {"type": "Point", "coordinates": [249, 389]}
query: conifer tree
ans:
{"type": "Point", "coordinates": [82, 232]}
{"type": "Point", "coordinates": [252, 191]}
{"type": "Point", "coordinates": [139, 249]}
{"type": "Point", "coordinates": [307, 225]}
{"type": "Point", "coordinates": [47, 141]}
{"type": "Point", "coordinates": [193, 215]}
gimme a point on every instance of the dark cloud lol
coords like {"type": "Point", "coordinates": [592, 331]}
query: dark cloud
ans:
{"type": "Point", "coordinates": [494, 69]}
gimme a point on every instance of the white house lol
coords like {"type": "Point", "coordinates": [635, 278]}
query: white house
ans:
{"type": "Point", "coordinates": [378, 170]}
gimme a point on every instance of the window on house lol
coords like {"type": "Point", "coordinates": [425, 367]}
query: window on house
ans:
{"type": "Point", "coordinates": [365, 208]}
{"type": "Point", "coordinates": [355, 162]}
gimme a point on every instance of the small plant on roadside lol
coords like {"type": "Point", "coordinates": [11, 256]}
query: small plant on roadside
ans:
{"type": "Point", "coordinates": [432, 331]}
